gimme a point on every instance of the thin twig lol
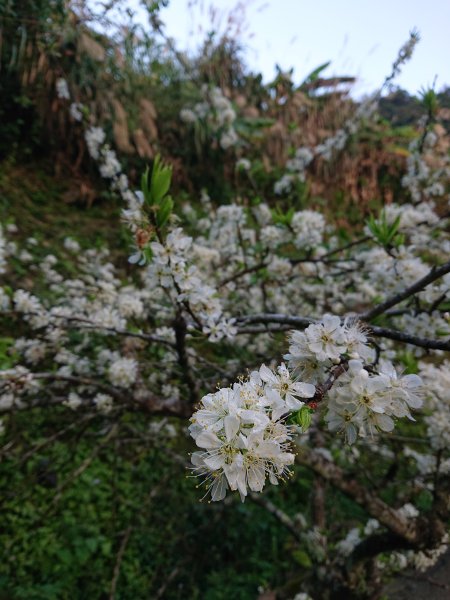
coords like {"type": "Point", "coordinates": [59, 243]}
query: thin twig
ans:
{"type": "Point", "coordinates": [84, 465]}
{"type": "Point", "coordinates": [276, 318]}
{"type": "Point", "coordinates": [122, 548]}
{"type": "Point", "coordinates": [108, 389]}
{"type": "Point", "coordinates": [276, 512]}
{"type": "Point", "coordinates": [347, 246]}
{"type": "Point", "coordinates": [240, 274]}
{"type": "Point", "coordinates": [92, 325]}
{"type": "Point", "coordinates": [55, 436]}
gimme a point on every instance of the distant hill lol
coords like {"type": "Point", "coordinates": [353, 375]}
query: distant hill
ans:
{"type": "Point", "coordinates": [401, 108]}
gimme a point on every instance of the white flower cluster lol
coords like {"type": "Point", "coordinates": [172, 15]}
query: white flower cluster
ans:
{"type": "Point", "coordinates": [171, 269]}
{"type": "Point", "coordinates": [123, 372]}
{"type": "Point", "coordinates": [428, 168]}
{"type": "Point", "coordinates": [95, 138]}
{"type": "Point", "coordinates": [76, 111]}
{"type": "Point", "coordinates": [62, 89]}
{"type": "Point", "coordinates": [346, 546]}
{"type": "Point", "coordinates": [217, 113]}
{"type": "Point", "coordinates": [242, 432]}
{"type": "Point", "coordinates": [313, 351]}
{"type": "Point", "coordinates": [235, 426]}
{"type": "Point", "coordinates": [355, 536]}
{"type": "Point", "coordinates": [284, 185]}
{"type": "Point", "coordinates": [304, 156]}
{"type": "Point", "coordinates": [386, 272]}
{"type": "Point", "coordinates": [3, 251]}
{"type": "Point", "coordinates": [309, 227]}
{"type": "Point", "coordinates": [362, 404]}
{"type": "Point", "coordinates": [103, 403]}
{"type": "Point", "coordinates": [110, 167]}
{"type": "Point", "coordinates": [326, 149]}
{"type": "Point", "coordinates": [437, 397]}
{"type": "Point", "coordinates": [423, 560]}
{"type": "Point", "coordinates": [243, 164]}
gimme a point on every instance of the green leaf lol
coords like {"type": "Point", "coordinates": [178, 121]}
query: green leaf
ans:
{"type": "Point", "coordinates": [386, 234]}
{"type": "Point", "coordinates": [164, 211]}
{"type": "Point", "coordinates": [302, 558]}
{"type": "Point", "coordinates": [314, 75]}
{"type": "Point", "coordinates": [282, 218]}
{"type": "Point", "coordinates": [148, 253]}
{"type": "Point", "coordinates": [409, 361]}
{"type": "Point", "coordinates": [429, 100]}
{"type": "Point", "coordinates": [303, 417]}
{"type": "Point", "coordinates": [145, 188]}
{"type": "Point", "coordinates": [161, 178]}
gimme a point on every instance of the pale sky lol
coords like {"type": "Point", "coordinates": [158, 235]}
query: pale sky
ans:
{"type": "Point", "coordinates": [360, 37]}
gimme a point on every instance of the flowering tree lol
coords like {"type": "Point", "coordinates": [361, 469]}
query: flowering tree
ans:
{"type": "Point", "coordinates": [212, 295]}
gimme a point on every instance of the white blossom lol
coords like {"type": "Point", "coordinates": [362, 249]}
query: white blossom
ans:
{"type": "Point", "coordinates": [123, 372]}
{"type": "Point", "coordinates": [62, 89]}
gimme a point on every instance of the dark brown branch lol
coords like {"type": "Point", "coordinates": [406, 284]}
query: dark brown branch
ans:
{"type": "Point", "coordinates": [347, 246]}
{"type": "Point", "coordinates": [147, 403]}
{"type": "Point", "coordinates": [276, 318]}
{"type": "Point", "coordinates": [91, 325]}
{"type": "Point", "coordinates": [240, 274]}
{"type": "Point", "coordinates": [323, 261]}
{"type": "Point", "coordinates": [386, 515]}
{"type": "Point", "coordinates": [286, 322]}
{"type": "Point", "coordinates": [325, 387]}
{"type": "Point", "coordinates": [180, 328]}
{"type": "Point", "coordinates": [264, 329]}
{"type": "Point", "coordinates": [435, 273]}
{"type": "Point", "coordinates": [400, 336]}
{"type": "Point", "coordinates": [79, 380]}
{"type": "Point", "coordinates": [377, 544]}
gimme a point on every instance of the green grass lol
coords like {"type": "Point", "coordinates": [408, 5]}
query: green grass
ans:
{"type": "Point", "coordinates": [32, 197]}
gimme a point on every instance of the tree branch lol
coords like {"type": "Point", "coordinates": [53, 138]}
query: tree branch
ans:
{"type": "Point", "coordinates": [240, 274]}
{"type": "Point", "coordinates": [286, 322]}
{"type": "Point", "coordinates": [400, 336]}
{"type": "Point", "coordinates": [386, 515]}
{"type": "Point", "coordinates": [91, 325]}
{"type": "Point", "coordinates": [377, 544]}
{"type": "Point", "coordinates": [276, 318]}
{"type": "Point", "coordinates": [83, 466]}
{"type": "Point", "coordinates": [180, 328]}
{"type": "Point", "coordinates": [78, 380]}
{"type": "Point", "coordinates": [435, 273]}
{"type": "Point", "coordinates": [122, 548]}
{"type": "Point", "coordinates": [148, 403]}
